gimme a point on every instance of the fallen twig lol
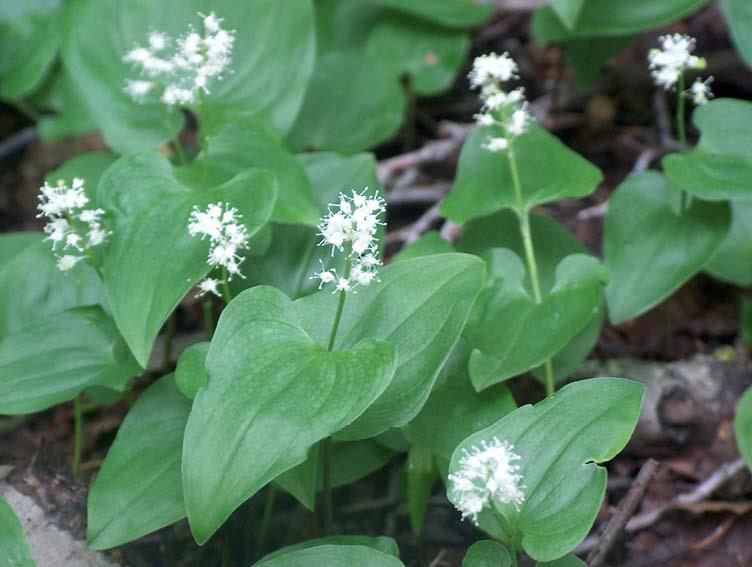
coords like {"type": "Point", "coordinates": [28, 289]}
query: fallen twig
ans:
{"type": "Point", "coordinates": [18, 141]}
{"type": "Point", "coordinates": [624, 512]}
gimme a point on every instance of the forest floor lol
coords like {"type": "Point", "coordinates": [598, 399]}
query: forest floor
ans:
{"type": "Point", "coordinates": [691, 504]}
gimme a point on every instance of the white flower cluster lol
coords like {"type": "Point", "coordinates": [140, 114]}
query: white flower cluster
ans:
{"type": "Point", "coordinates": [507, 109]}
{"type": "Point", "coordinates": [222, 224]}
{"type": "Point", "coordinates": [352, 223]}
{"type": "Point", "coordinates": [180, 68]}
{"type": "Point", "coordinates": [668, 63]}
{"type": "Point", "coordinates": [70, 226]}
{"type": "Point", "coordinates": [487, 474]}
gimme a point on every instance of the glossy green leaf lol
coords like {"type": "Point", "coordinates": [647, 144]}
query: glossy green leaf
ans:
{"type": "Point", "coordinates": [13, 243]}
{"type": "Point", "coordinates": [450, 13]}
{"type": "Point", "coordinates": [420, 306]}
{"type": "Point", "coordinates": [568, 560]}
{"type": "Point", "coordinates": [612, 17]}
{"type": "Point", "coordinates": [487, 553]}
{"type": "Point", "coordinates": [383, 544]}
{"type": "Point", "coordinates": [333, 556]}
{"type": "Point", "coordinates": [66, 115]}
{"type": "Point", "coordinates": [719, 168]}
{"type": "Point", "coordinates": [34, 288]}
{"type": "Point", "coordinates": [272, 394]}
{"type": "Point", "coordinates": [454, 409]}
{"type": "Point", "coordinates": [484, 183]}
{"type": "Point", "coordinates": [14, 548]}
{"type": "Point", "coordinates": [743, 426]}
{"type": "Point", "coordinates": [55, 359]}
{"type": "Point", "coordinates": [429, 54]}
{"type": "Point", "coordinates": [146, 451]}
{"type": "Point", "coordinates": [150, 264]}
{"type": "Point", "coordinates": [568, 11]}
{"type": "Point", "coordinates": [421, 476]}
{"type": "Point", "coordinates": [739, 19]}
{"type": "Point", "coordinates": [588, 56]}
{"type": "Point", "coordinates": [428, 244]}
{"type": "Point", "coordinates": [650, 249]}
{"type": "Point", "coordinates": [28, 47]}
{"type": "Point", "coordinates": [294, 256]}
{"type": "Point", "coordinates": [732, 261]}
{"type": "Point", "coordinates": [236, 145]}
{"type": "Point", "coordinates": [540, 330]}
{"type": "Point", "coordinates": [191, 374]}
{"type": "Point", "coordinates": [347, 87]}
{"type": "Point", "coordinates": [272, 62]}
{"type": "Point", "coordinates": [561, 441]}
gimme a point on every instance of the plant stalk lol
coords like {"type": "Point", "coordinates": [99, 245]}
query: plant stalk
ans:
{"type": "Point", "coordinates": [681, 130]}
{"type": "Point", "coordinates": [268, 507]}
{"type": "Point", "coordinates": [206, 305]}
{"type": "Point", "coordinates": [326, 445]}
{"type": "Point", "coordinates": [527, 241]}
{"type": "Point", "coordinates": [226, 287]}
{"type": "Point", "coordinates": [78, 434]}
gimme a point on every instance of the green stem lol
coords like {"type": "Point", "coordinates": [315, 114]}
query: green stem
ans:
{"type": "Point", "coordinates": [326, 444]}
{"type": "Point", "coordinates": [78, 434]}
{"type": "Point", "coordinates": [680, 127]}
{"type": "Point", "coordinates": [513, 555]}
{"type": "Point", "coordinates": [523, 214]}
{"type": "Point", "coordinates": [208, 316]}
{"type": "Point", "coordinates": [226, 287]}
{"type": "Point", "coordinates": [268, 507]}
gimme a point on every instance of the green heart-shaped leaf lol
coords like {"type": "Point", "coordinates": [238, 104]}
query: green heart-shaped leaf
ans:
{"type": "Point", "coordinates": [540, 330]}
{"type": "Point", "coordinates": [612, 18]}
{"type": "Point", "coordinates": [14, 548]}
{"type": "Point", "coordinates": [487, 553]}
{"type": "Point", "coordinates": [484, 181]}
{"type": "Point", "coordinates": [450, 13]}
{"type": "Point", "coordinates": [272, 394]}
{"type": "Point", "coordinates": [151, 260]}
{"type": "Point", "coordinates": [333, 556]}
{"type": "Point", "coordinates": [53, 360]}
{"type": "Point", "coordinates": [420, 306]}
{"type": "Point", "coordinates": [27, 300]}
{"type": "Point", "coordinates": [651, 250]}
{"type": "Point", "coordinates": [739, 20]}
{"type": "Point", "coordinates": [732, 261]}
{"type": "Point", "coordinates": [560, 442]}
{"type": "Point", "coordinates": [383, 544]}
{"type": "Point", "coordinates": [568, 11]}
{"type": "Point", "coordinates": [569, 560]}
{"type": "Point", "coordinates": [235, 145]}
{"type": "Point", "coordinates": [719, 168]}
{"type": "Point", "coordinates": [272, 61]}
{"type": "Point", "coordinates": [117, 513]}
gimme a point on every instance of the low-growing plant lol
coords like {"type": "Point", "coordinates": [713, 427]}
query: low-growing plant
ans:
{"type": "Point", "coordinates": [319, 364]}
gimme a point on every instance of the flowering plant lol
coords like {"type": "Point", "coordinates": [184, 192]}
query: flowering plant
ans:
{"type": "Point", "coordinates": [227, 267]}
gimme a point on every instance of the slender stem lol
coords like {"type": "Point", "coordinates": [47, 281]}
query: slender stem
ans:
{"type": "Point", "coordinates": [527, 241]}
{"type": "Point", "coordinates": [326, 444]}
{"type": "Point", "coordinates": [680, 127]}
{"type": "Point", "coordinates": [513, 555]}
{"type": "Point", "coordinates": [78, 434]}
{"type": "Point", "coordinates": [268, 507]}
{"type": "Point", "coordinates": [208, 316]}
{"type": "Point", "coordinates": [226, 287]}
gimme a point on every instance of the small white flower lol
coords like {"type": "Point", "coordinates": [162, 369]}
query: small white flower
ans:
{"type": "Point", "coordinates": [496, 144]}
{"type": "Point", "coordinates": [227, 236]}
{"type": "Point", "coordinates": [63, 206]}
{"type": "Point", "coordinates": [181, 68]}
{"type": "Point", "coordinates": [492, 69]}
{"type": "Point", "coordinates": [353, 222]}
{"type": "Point", "coordinates": [674, 56]}
{"type": "Point", "coordinates": [519, 121]}
{"type": "Point", "coordinates": [208, 285]}
{"type": "Point", "coordinates": [487, 474]}
{"type": "Point", "coordinates": [66, 262]}
{"type": "Point", "coordinates": [700, 91]}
